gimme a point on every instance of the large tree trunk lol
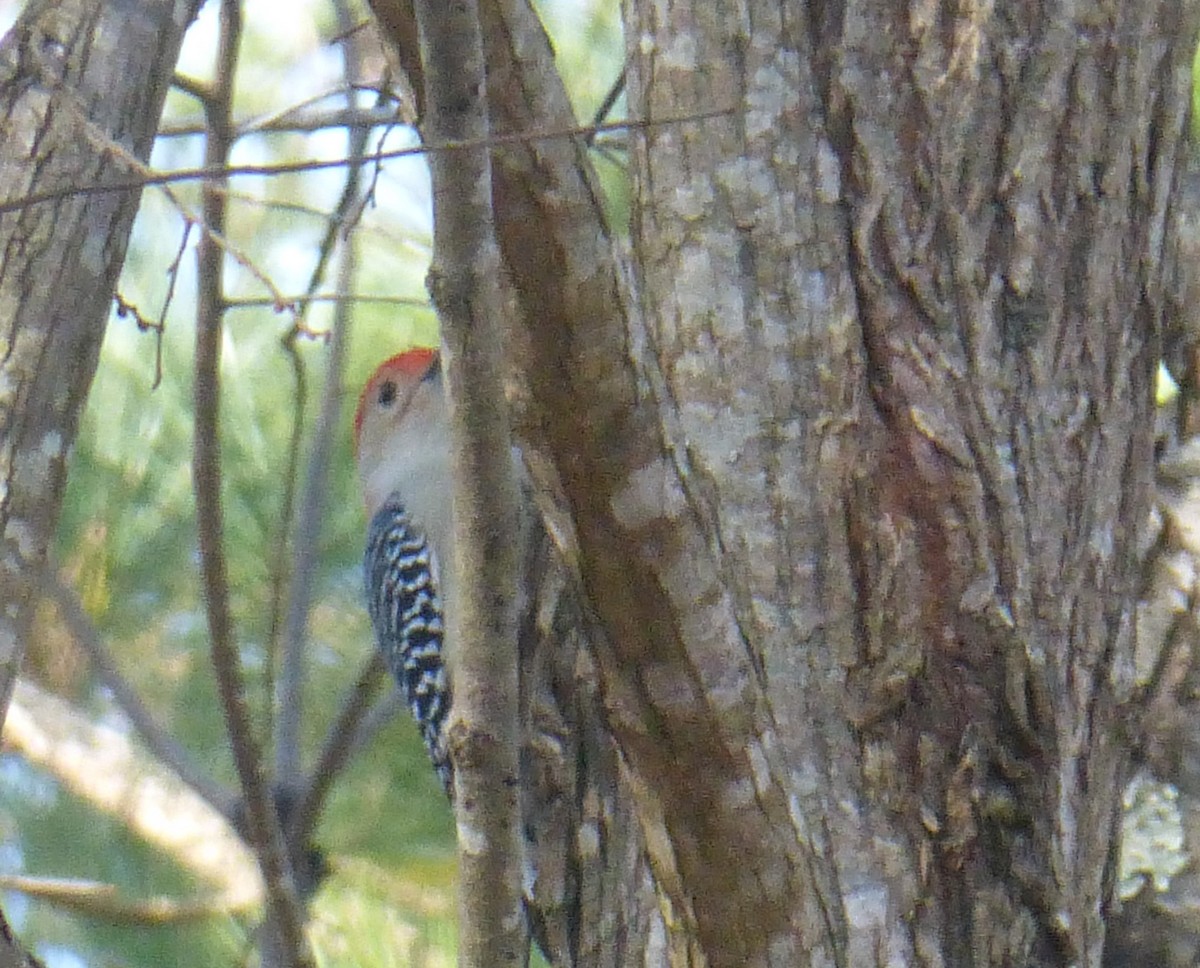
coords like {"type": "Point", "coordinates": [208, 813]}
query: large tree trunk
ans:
{"type": "Point", "coordinates": [82, 84]}
{"type": "Point", "coordinates": [901, 317]}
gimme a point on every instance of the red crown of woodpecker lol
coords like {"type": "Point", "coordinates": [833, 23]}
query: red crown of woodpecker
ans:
{"type": "Point", "coordinates": [410, 366]}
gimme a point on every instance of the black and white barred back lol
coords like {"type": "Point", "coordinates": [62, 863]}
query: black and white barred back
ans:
{"type": "Point", "coordinates": [406, 612]}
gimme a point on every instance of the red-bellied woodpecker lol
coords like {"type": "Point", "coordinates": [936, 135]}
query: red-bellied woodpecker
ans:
{"type": "Point", "coordinates": [402, 443]}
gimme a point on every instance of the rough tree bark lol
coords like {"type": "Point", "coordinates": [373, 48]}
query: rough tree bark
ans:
{"type": "Point", "coordinates": [1155, 926]}
{"type": "Point", "coordinates": [940, 263]}
{"type": "Point", "coordinates": [464, 283]}
{"type": "Point", "coordinates": [82, 85]}
{"type": "Point", "coordinates": [856, 468]}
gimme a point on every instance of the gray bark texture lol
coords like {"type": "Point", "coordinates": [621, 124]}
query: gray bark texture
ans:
{"type": "Point", "coordinates": [899, 316]}
{"type": "Point", "coordinates": [902, 314]}
{"type": "Point", "coordinates": [464, 283]}
{"type": "Point", "coordinates": [853, 457]}
{"type": "Point", "coordinates": [1158, 921]}
{"type": "Point", "coordinates": [82, 85]}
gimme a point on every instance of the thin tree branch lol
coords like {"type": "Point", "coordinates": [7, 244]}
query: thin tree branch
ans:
{"type": "Point", "coordinates": [379, 115]}
{"type": "Point", "coordinates": [464, 282]}
{"type": "Point", "coordinates": [289, 693]}
{"type": "Point", "coordinates": [278, 566]}
{"type": "Point", "coordinates": [381, 713]}
{"type": "Point", "coordinates": [313, 503]}
{"type": "Point", "coordinates": [158, 741]}
{"type": "Point", "coordinates": [12, 955]}
{"type": "Point", "coordinates": [105, 902]}
{"type": "Point", "coordinates": [221, 173]}
{"type": "Point", "coordinates": [263, 825]}
{"type": "Point", "coordinates": [340, 746]}
{"type": "Point", "coordinates": [313, 499]}
{"type": "Point", "coordinates": [106, 144]}
{"type": "Point", "coordinates": [172, 279]}
{"type": "Point", "coordinates": [300, 301]}
{"type": "Point", "coordinates": [254, 125]}
{"type": "Point", "coordinates": [102, 766]}
{"type": "Point", "coordinates": [610, 99]}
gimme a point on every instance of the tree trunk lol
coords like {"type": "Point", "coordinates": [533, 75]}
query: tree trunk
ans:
{"type": "Point", "coordinates": [483, 727]}
{"type": "Point", "coordinates": [82, 83]}
{"type": "Point", "coordinates": [902, 317]}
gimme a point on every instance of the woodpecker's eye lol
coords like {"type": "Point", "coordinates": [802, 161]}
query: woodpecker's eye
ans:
{"type": "Point", "coordinates": [387, 393]}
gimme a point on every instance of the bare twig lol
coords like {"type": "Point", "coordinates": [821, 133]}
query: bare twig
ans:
{"type": "Point", "coordinates": [329, 297]}
{"type": "Point", "coordinates": [313, 499]}
{"type": "Point", "coordinates": [11, 952]}
{"type": "Point", "coordinates": [172, 278]}
{"type": "Point", "coordinates": [195, 87]}
{"type": "Point", "coordinates": [280, 558]}
{"type": "Point", "coordinates": [395, 239]}
{"type": "Point", "coordinates": [610, 99]}
{"type": "Point", "coordinates": [599, 145]}
{"type": "Point", "coordinates": [107, 145]}
{"type": "Point", "coordinates": [340, 222]}
{"type": "Point", "coordinates": [127, 308]}
{"type": "Point", "coordinates": [340, 746]}
{"type": "Point", "coordinates": [313, 504]}
{"type": "Point", "coordinates": [379, 716]}
{"type": "Point", "coordinates": [347, 91]}
{"type": "Point", "coordinates": [161, 743]}
{"type": "Point", "coordinates": [103, 767]}
{"type": "Point", "coordinates": [95, 899]}
{"type": "Point", "coordinates": [263, 825]}
{"type": "Point", "coordinates": [291, 123]}
{"type": "Point", "coordinates": [221, 173]}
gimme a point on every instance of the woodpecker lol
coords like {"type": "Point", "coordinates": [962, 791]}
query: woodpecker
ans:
{"type": "Point", "coordinates": [402, 445]}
